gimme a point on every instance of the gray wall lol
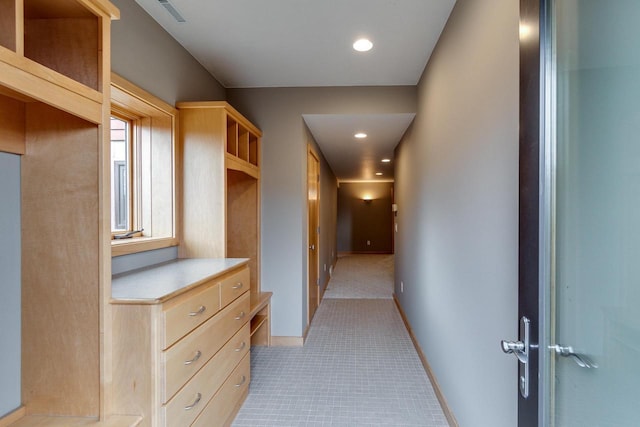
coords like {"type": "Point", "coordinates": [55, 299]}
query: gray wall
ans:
{"type": "Point", "coordinates": [328, 214]}
{"type": "Point", "coordinates": [457, 195]}
{"type": "Point", "coordinates": [145, 54]}
{"type": "Point", "coordinates": [10, 283]}
{"type": "Point", "coordinates": [359, 222]}
{"type": "Point", "coordinates": [278, 112]}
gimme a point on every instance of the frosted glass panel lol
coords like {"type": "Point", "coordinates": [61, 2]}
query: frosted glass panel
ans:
{"type": "Point", "coordinates": [597, 275]}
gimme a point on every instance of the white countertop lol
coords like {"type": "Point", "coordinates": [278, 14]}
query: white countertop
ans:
{"type": "Point", "coordinates": [157, 283]}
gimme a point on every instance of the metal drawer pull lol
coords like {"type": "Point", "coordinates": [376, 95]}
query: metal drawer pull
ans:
{"type": "Point", "coordinates": [241, 315]}
{"type": "Point", "coordinates": [201, 310]}
{"type": "Point", "coordinates": [582, 360]}
{"type": "Point", "coordinates": [190, 407]}
{"type": "Point", "coordinates": [195, 358]}
{"type": "Point", "coordinates": [242, 346]}
{"type": "Point", "coordinates": [242, 381]}
{"type": "Point", "coordinates": [237, 286]}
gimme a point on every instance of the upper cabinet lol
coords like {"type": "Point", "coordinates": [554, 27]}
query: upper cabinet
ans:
{"type": "Point", "coordinates": [221, 184]}
{"type": "Point", "coordinates": [55, 52]}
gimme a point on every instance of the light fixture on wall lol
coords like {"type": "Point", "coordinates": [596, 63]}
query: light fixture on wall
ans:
{"type": "Point", "coordinates": [386, 160]}
{"type": "Point", "coordinates": [360, 135]}
{"type": "Point", "coordinates": [367, 199]}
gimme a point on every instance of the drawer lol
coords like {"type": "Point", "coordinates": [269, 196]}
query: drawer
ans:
{"type": "Point", "coordinates": [185, 406]}
{"type": "Point", "coordinates": [186, 315]}
{"type": "Point", "coordinates": [184, 359]}
{"type": "Point", "coordinates": [234, 286]}
{"type": "Point", "coordinates": [225, 404]}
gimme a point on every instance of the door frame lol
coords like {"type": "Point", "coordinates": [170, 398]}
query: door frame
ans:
{"type": "Point", "coordinates": [311, 153]}
{"type": "Point", "coordinates": [534, 200]}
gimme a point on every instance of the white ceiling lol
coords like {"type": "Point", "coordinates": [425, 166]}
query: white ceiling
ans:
{"type": "Point", "coordinates": [303, 43]}
{"type": "Point", "coordinates": [355, 159]}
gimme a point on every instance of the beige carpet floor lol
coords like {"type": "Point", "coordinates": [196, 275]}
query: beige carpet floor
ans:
{"type": "Point", "coordinates": [362, 276]}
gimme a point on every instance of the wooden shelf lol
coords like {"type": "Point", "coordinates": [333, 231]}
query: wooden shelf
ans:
{"type": "Point", "coordinates": [261, 318]}
{"type": "Point", "coordinates": [42, 421]}
{"type": "Point", "coordinates": [8, 24]}
{"type": "Point", "coordinates": [259, 301]}
{"type": "Point", "coordinates": [257, 321]}
{"type": "Point", "coordinates": [34, 82]}
{"type": "Point", "coordinates": [64, 36]}
{"type": "Point", "coordinates": [53, 52]}
{"type": "Point", "coordinates": [232, 136]}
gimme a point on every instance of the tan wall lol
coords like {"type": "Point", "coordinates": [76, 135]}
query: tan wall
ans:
{"type": "Point", "coordinates": [365, 227]}
{"type": "Point", "coordinates": [457, 195]}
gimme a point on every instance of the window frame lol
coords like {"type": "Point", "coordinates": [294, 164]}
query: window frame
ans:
{"type": "Point", "coordinates": [152, 120]}
{"type": "Point", "coordinates": [131, 168]}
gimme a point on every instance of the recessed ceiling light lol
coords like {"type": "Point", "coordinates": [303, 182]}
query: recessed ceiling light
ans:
{"type": "Point", "coordinates": [386, 160]}
{"type": "Point", "coordinates": [363, 45]}
{"type": "Point", "coordinates": [379, 173]}
{"type": "Point", "coordinates": [360, 135]}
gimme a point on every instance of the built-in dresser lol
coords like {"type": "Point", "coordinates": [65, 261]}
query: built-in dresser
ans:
{"type": "Point", "coordinates": [181, 342]}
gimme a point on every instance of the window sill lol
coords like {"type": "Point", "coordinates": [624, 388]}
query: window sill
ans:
{"type": "Point", "coordinates": [140, 244]}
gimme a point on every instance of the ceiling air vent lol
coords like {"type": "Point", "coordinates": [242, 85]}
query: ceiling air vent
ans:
{"type": "Point", "coordinates": [172, 10]}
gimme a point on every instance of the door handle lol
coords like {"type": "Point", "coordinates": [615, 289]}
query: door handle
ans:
{"type": "Point", "coordinates": [520, 349]}
{"type": "Point", "coordinates": [312, 247]}
{"type": "Point", "coordinates": [580, 359]}
{"type": "Point", "coordinates": [515, 347]}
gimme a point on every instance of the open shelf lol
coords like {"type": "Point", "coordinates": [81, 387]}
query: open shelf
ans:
{"type": "Point", "coordinates": [54, 52]}
{"type": "Point", "coordinates": [260, 318]}
{"type": "Point", "coordinates": [243, 143]}
{"type": "Point", "coordinates": [65, 37]}
{"type": "Point", "coordinates": [8, 20]}
{"type": "Point", "coordinates": [253, 149]}
{"type": "Point", "coordinates": [257, 321]}
{"type": "Point", "coordinates": [232, 136]}
{"type": "Point", "coordinates": [242, 233]}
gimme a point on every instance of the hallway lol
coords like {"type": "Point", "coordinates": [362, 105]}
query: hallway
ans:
{"type": "Point", "coordinates": [358, 366]}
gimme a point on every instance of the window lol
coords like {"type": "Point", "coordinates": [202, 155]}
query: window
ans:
{"type": "Point", "coordinates": [121, 185]}
{"type": "Point", "coordinates": [143, 170]}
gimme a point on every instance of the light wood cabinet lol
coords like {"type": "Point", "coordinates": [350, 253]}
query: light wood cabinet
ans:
{"type": "Point", "coordinates": [171, 377]}
{"type": "Point", "coordinates": [221, 195]}
{"type": "Point", "coordinates": [54, 98]}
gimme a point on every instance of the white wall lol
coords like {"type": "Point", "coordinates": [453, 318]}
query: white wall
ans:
{"type": "Point", "coordinates": [457, 195]}
{"type": "Point", "coordinates": [10, 323]}
{"type": "Point", "coordinates": [278, 113]}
